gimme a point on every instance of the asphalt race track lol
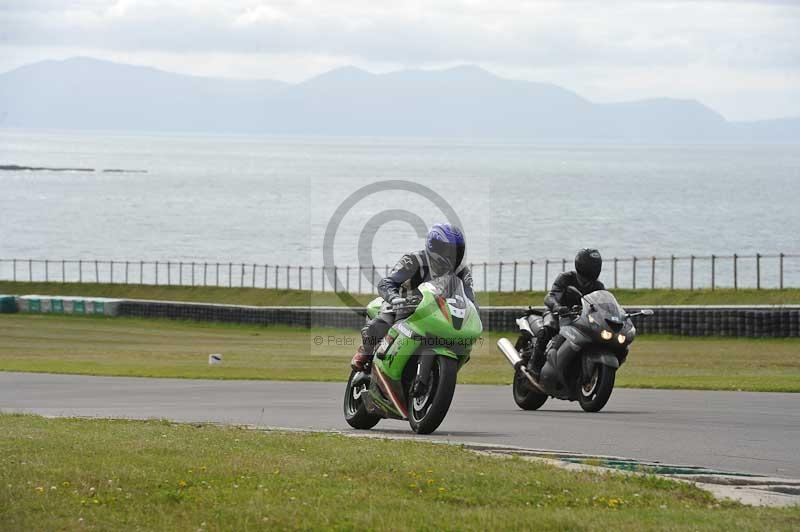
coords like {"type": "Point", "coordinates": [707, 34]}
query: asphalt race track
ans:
{"type": "Point", "coordinates": [730, 431]}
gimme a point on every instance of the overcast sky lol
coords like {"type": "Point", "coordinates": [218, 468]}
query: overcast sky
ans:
{"type": "Point", "coordinates": [740, 57]}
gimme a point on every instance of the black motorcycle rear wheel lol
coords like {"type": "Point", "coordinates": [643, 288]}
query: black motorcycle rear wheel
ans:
{"type": "Point", "coordinates": [596, 391]}
{"type": "Point", "coordinates": [426, 413]}
{"type": "Point", "coordinates": [355, 411]}
{"type": "Point", "coordinates": [526, 397]}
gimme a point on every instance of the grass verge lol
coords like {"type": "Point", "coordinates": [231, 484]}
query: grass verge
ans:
{"type": "Point", "coordinates": [272, 297]}
{"type": "Point", "coordinates": [103, 474]}
{"type": "Point", "coordinates": [162, 348]}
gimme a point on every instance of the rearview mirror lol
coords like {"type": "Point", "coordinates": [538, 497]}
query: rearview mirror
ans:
{"type": "Point", "coordinates": [647, 312]}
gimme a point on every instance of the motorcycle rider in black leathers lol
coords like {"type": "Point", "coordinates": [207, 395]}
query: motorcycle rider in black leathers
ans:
{"type": "Point", "coordinates": [588, 264]}
{"type": "Point", "coordinates": [443, 253]}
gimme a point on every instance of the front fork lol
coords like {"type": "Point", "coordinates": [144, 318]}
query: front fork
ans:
{"type": "Point", "coordinates": [422, 379]}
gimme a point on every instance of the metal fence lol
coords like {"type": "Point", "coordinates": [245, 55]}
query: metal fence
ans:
{"type": "Point", "coordinates": [691, 272]}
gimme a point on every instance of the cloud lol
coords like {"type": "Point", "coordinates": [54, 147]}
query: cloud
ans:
{"type": "Point", "coordinates": [749, 38]}
{"type": "Point", "coordinates": [530, 33]}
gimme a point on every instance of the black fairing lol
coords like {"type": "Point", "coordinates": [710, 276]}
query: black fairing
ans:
{"type": "Point", "coordinates": [601, 311]}
{"type": "Point", "coordinates": [580, 344]}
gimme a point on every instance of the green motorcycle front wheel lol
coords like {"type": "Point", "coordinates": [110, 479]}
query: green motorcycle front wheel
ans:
{"type": "Point", "coordinates": [427, 411]}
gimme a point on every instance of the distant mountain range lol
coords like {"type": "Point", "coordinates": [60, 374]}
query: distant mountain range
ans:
{"type": "Point", "coordinates": [466, 101]}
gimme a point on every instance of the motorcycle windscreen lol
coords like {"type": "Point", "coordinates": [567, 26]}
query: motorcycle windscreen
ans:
{"type": "Point", "coordinates": [607, 308]}
{"type": "Point", "coordinates": [451, 287]}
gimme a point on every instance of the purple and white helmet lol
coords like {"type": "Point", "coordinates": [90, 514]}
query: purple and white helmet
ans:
{"type": "Point", "coordinates": [445, 246]}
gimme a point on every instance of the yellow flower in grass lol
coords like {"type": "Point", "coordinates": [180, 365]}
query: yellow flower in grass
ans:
{"type": "Point", "coordinates": [39, 489]}
{"type": "Point", "coordinates": [182, 483]}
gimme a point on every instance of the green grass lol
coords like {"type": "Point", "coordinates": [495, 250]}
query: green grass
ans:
{"type": "Point", "coordinates": [102, 474]}
{"type": "Point", "coordinates": [261, 297]}
{"type": "Point", "coordinates": [163, 348]}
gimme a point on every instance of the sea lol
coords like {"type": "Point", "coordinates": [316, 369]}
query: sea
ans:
{"type": "Point", "coordinates": [355, 201]}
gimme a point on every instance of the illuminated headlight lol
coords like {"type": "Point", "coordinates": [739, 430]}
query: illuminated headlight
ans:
{"type": "Point", "coordinates": [621, 338]}
{"type": "Point", "coordinates": [606, 335]}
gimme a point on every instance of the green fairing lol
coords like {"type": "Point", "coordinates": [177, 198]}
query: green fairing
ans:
{"type": "Point", "coordinates": [428, 322]}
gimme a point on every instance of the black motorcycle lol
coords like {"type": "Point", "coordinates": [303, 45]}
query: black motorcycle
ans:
{"type": "Point", "coordinates": [582, 359]}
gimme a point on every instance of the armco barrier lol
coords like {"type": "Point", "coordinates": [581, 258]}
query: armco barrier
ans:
{"type": "Point", "coordinates": [292, 316]}
{"type": "Point", "coordinates": [744, 321]}
{"type": "Point", "coordinates": [773, 321]}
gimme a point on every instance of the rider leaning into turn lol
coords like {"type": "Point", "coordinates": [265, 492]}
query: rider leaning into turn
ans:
{"type": "Point", "coordinates": [559, 300]}
{"type": "Point", "coordinates": [443, 254]}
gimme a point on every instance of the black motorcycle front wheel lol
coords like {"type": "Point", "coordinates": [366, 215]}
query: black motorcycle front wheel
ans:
{"type": "Point", "coordinates": [525, 395]}
{"type": "Point", "coordinates": [594, 393]}
{"type": "Point", "coordinates": [426, 412]}
{"type": "Point", "coordinates": [355, 411]}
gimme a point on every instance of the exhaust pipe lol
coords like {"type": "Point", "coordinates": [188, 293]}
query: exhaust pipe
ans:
{"type": "Point", "coordinates": [508, 350]}
{"type": "Point", "coordinates": [511, 354]}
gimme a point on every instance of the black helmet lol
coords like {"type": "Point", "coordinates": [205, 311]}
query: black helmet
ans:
{"type": "Point", "coordinates": [588, 264]}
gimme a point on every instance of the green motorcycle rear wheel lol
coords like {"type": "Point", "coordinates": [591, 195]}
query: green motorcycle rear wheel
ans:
{"type": "Point", "coordinates": [355, 411]}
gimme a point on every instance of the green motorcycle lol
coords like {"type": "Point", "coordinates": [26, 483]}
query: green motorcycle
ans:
{"type": "Point", "coordinates": [413, 373]}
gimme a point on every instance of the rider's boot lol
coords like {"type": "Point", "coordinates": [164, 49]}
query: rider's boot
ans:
{"type": "Point", "coordinates": [522, 346]}
{"type": "Point", "coordinates": [536, 363]}
{"type": "Point", "coordinates": [361, 360]}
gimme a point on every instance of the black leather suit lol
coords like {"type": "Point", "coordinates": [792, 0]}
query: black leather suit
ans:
{"type": "Point", "coordinates": [560, 297]}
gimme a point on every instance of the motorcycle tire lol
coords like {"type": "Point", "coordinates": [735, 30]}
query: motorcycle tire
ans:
{"type": "Point", "coordinates": [526, 397]}
{"type": "Point", "coordinates": [594, 395]}
{"type": "Point", "coordinates": [427, 412]}
{"type": "Point", "coordinates": [355, 411]}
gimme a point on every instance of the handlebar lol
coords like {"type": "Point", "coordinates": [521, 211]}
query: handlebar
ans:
{"type": "Point", "coordinates": [642, 312]}
{"type": "Point", "coordinates": [411, 304]}
{"type": "Point", "coordinates": [574, 311]}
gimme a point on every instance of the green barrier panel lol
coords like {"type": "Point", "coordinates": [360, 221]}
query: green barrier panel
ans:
{"type": "Point", "coordinates": [7, 304]}
{"type": "Point", "coordinates": [59, 305]}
